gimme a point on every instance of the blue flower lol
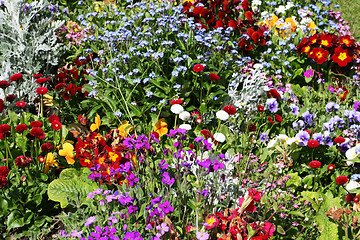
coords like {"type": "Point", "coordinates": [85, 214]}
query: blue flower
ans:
{"type": "Point", "coordinates": [118, 114]}
{"type": "Point", "coordinates": [272, 105]}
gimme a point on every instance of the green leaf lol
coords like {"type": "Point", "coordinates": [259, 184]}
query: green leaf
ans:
{"type": "Point", "coordinates": [13, 116]}
{"type": "Point", "coordinates": [14, 220]}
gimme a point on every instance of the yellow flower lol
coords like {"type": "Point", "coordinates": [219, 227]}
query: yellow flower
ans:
{"type": "Point", "coordinates": [95, 126]}
{"type": "Point", "coordinates": [125, 128]}
{"type": "Point", "coordinates": [292, 23]}
{"type": "Point", "coordinates": [272, 21]}
{"type": "Point", "coordinates": [312, 25]}
{"type": "Point", "coordinates": [50, 161]}
{"type": "Point", "coordinates": [99, 6]}
{"type": "Point", "coordinates": [67, 152]}
{"type": "Point", "coordinates": [161, 127]}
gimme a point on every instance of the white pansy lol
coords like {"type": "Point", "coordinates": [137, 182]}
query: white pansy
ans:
{"type": "Point", "coordinates": [219, 137]}
{"type": "Point", "coordinates": [351, 153]}
{"type": "Point", "coordinates": [352, 185]}
{"type": "Point", "coordinates": [283, 138]}
{"type": "Point", "coordinates": [292, 140]}
{"type": "Point", "coordinates": [289, 5]}
{"type": "Point", "coordinates": [185, 126]}
{"type": "Point", "coordinates": [185, 115]}
{"type": "Point", "coordinates": [222, 115]}
{"type": "Point", "coordinates": [177, 108]}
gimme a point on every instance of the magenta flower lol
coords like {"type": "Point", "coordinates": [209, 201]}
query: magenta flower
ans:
{"type": "Point", "coordinates": [166, 207]}
{"type": "Point", "coordinates": [90, 221]}
{"type": "Point", "coordinates": [163, 228]}
{"type": "Point", "coordinates": [309, 73]}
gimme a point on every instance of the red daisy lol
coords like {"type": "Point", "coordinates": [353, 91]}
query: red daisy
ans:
{"type": "Point", "coordinates": [313, 143]}
{"type": "Point", "coordinates": [341, 180]}
{"type": "Point", "coordinates": [36, 124]}
{"type": "Point", "coordinates": [20, 104]}
{"type": "Point", "coordinates": [41, 90]}
{"type": "Point", "coordinates": [231, 110]}
{"type": "Point", "coordinates": [21, 127]}
{"type": "Point", "coordinates": [4, 84]}
{"type": "Point", "coordinates": [198, 68]}
{"type": "Point", "coordinates": [315, 164]}
{"type": "Point", "coordinates": [53, 118]}
{"type": "Point", "coordinates": [214, 77]}
{"type": "Point", "coordinates": [56, 125]}
{"type": "Point", "coordinates": [4, 171]}
{"type": "Point", "coordinates": [41, 80]}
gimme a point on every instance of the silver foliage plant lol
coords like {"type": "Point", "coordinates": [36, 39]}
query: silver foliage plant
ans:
{"type": "Point", "coordinates": [28, 43]}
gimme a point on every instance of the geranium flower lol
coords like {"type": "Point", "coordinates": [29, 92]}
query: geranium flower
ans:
{"type": "Point", "coordinates": [176, 101]}
{"type": "Point", "coordinates": [47, 147]}
{"type": "Point", "coordinates": [41, 90]}
{"type": "Point", "coordinates": [50, 161]}
{"type": "Point", "coordinates": [278, 118]}
{"type": "Point", "coordinates": [16, 77]}
{"type": "Point", "coordinates": [37, 75]}
{"type": "Point", "coordinates": [274, 93]}
{"type": "Point", "coordinates": [260, 108]}
{"type": "Point", "coordinates": [339, 140]}
{"type": "Point", "coordinates": [342, 56]}
{"type": "Point", "coordinates": [198, 68]}
{"type": "Point", "coordinates": [20, 104]}
{"type": "Point", "coordinates": [95, 126]}
{"type": "Point", "coordinates": [319, 55]}
{"type": "Point", "coordinates": [67, 152]}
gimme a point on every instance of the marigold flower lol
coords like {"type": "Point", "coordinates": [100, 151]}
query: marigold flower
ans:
{"type": "Point", "coordinates": [198, 68]}
{"type": "Point", "coordinates": [230, 109]}
{"type": "Point", "coordinates": [22, 161]}
{"type": "Point", "coordinates": [313, 143]}
{"type": "Point", "coordinates": [67, 152]}
{"type": "Point", "coordinates": [214, 77]}
{"type": "Point", "coordinates": [36, 124]}
{"type": "Point", "coordinates": [3, 181]}
{"type": "Point", "coordinates": [331, 167]}
{"type": "Point", "coordinates": [41, 80]}
{"type": "Point", "coordinates": [21, 127]}
{"type": "Point", "coordinates": [37, 132]}
{"type": "Point", "coordinates": [41, 90]}
{"type": "Point", "coordinates": [4, 171]}
{"type": "Point", "coordinates": [16, 77]}
{"type": "Point", "coordinates": [4, 84]}
{"type": "Point", "coordinates": [315, 164]}
{"type": "Point", "coordinates": [56, 125]}
{"type": "Point", "coordinates": [20, 104]}
{"type": "Point", "coordinates": [341, 180]}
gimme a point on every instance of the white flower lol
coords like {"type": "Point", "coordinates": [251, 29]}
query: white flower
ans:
{"type": "Point", "coordinates": [353, 152]}
{"type": "Point", "coordinates": [222, 115]}
{"type": "Point", "coordinates": [289, 5]}
{"type": "Point", "coordinates": [280, 9]}
{"type": "Point", "coordinates": [258, 66]}
{"type": "Point", "coordinates": [219, 137]}
{"type": "Point", "coordinates": [272, 143]}
{"type": "Point", "coordinates": [185, 115]}
{"type": "Point", "coordinates": [256, 2]}
{"type": "Point", "coordinates": [352, 185]}
{"type": "Point", "coordinates": [185, 126]}
{"type": "Point", "coordinates": [177, 108]}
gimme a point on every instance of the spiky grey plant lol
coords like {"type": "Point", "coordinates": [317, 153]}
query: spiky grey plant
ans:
{"type": "Point", "coordinates": [28, 43]}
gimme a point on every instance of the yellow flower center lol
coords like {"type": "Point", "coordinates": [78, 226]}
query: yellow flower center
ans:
{"type": "Point", "coordinates": [342, 56]}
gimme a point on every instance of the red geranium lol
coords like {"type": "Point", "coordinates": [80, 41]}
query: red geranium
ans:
{"type": "Point", "coordinates": [274, 93]}
{"type": "Point", "coordinates": [315, 164]}
{"type": "Point", "coordinates": [230, 109]}
{"type": "Point", "coordinates": [36, 124]}
{"type": "Point", "coordinates": [342, 56]}
{"type": "Point", "coordinates": [313, 143]}
{"type": "Point", "coordinates": [4, 171]}
{"type": "Point", "coordinates": [278, 118]}
{"type": "Point", "coordinates": [198, 68]}
{"type": "Point", "coordinates": [20, 104]}
{"type": "Point", "coordinates": [319, 55]}
{"type": "Point", "coordinates": [214, 77]}
{"type": "Point", "coordinates": [21, 127]}
{"type": "Point", "coordinates": [41, 90]}
{"type": "Point", "coordinates": [56, 125]}
{"type": "Point", "coordinates": [341, 180]}
{"type": "Point", "coordinates": [16, 77]}
{"type": "Point", "coordinates": [4, 84]}
{"type": "Point", "coordinates": [245, 5]}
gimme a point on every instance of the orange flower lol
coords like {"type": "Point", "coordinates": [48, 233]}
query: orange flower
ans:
{"type": "Point", "coordinates": [161, 127]}
{"type": "Point", "coordinates": [67, 152]}
{"type": "Point", "coordinates": [319, 55]}
{"type": "Point", "coordinates": [50, 161]}
{"type": "Point", "coordinates": [341, 56]}
{"type": "Point", "coordinates": [347, 41]}
{"type": "Point", "coordinates": [272, 21]}
{"type": "Point", "coordinates": [292, 23]}
{"type": "Point", "coordinates": [95, 126]}
{"type": "Point", "coordinates": [125, 128]}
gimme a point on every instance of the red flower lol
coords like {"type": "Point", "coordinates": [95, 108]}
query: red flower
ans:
{"type": "Point", "coordinates": [22, 161]}
{"type": "Point", "coordinates": [4, 128]}
{"type": "Point", "coordinates": [331, 167]}
{"type": "Point", "coordinates": [319, 55]}
{"type": "Point", "coordinates": [41, 90]}
{"type": "Point", "coordinates": [21, 127]}
{"type": "Point", "coordinates": [342, 56]}
{"type": "Point", "coordinates": [4, 171]}
{"type": "Point", "coordinates": [37, 75]}
{"type": "Point", "coordinates": [53, 118]}
{"type": "Point", "coordinates": [41, 159]}
{"type": "Point", "coordinates": [260, 108]}
{"type": "Point", "coordinates": [341, 180]}
{"type": "Point", "coordinates": [313, 143]}
{"type": "Point", "coordinates": [315, 164]}
{"type": "Point", "coordinates": [230, 109]}
{"type": "Point", "coordinates": [1, 105]}
{"type": "Point", "coordinates": [177, 101]}
{"type": "Point", "coordinates": [20, 104]}
{"type": "Point", "coordinates": [60, 85]}
{"type": "Point", "coordinates": [56, 125]}
{"type": "Point", "coordinates": [219, 24]}
{"type": "Point", "coordinates": [16, 77]}
{"type": "Point", "coordinates": [214, 77]}
{"type": "Point", "coordinates": [4, 84]}
{"type": "Point", "coordinates": [274, 93]}
{"type": "Point", "coordinates": [347, 41]}
{"type": "Point", "coordinates": [278, 118]}
{"type": "Point", "coordinates": [250, 208]}
{"type": "Point", "coordinates": [233, 24]}
{"type": "Point", "coordinates": [3, 181]}
{"type": "Point", "coordinates": [348, 198]}
{"type": "Point", "coordinates": [41, 80]}
{"type": "Point", "coordinates": [198, 68]}
{"type": "Point", "coordinates": [37, 132]}
{"type": "Point", "coordinates": [339, 140]}
{"type": "Point", "coordinates": [10, 97]}
{"type": "Point", "coordinates": [326, 40]}
{"type": "Point", "coordinates": [205, 132]}
{"type": "Point", "coordinates": [256, 195]}
{"type": "Point", "coordinates": [36, 124]}
{"type": "Point", "coordinates": [252, 127]}
{"type": "Point", "coordinates": [270, 120]}
{"type": "Point", "coordinates": [245, 5]}
{"type": "Point", "coordinates": [191, 146]}
{"type": "Point", "coordinates": [248, 15]}
{"type": "Point", "coordinates": [47, 147]}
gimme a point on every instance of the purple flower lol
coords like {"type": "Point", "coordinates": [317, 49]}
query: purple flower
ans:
{"type": "Point", "coordinates": [131, 179]}
{"type": "Point", "coordinates": [124, 199]}
{"type": "Point", "coordinates": [217, 165]}
{"type": "Point", "coordinates": [198, 139]}
{"type": "Point", "coordinates": [309, 73]}
{"type": "Point", "coordinates": [167, 180]}
{"type": "Point", "coordinates": [264, 137]}
{"type": "Point", "coordinates": [166, 207]}
{"type": "Point", "coordinates": [112, 219]}
{"type": "Point", "coordinates": [309, 118]}
{"type": "Point", "coordinates": [294, 109]}
{"type": "Point", "coordinates": [125, 167]}
{"type": "Point", "coordinates": [356, 105]}
{"type": "Point", "coordinates": [156, 200]}
{"type": "Point", "coordinates": [272, 105]}
{"type": "Point", "coordinates": [90, 221]}
{"type": "Point", "coordinates": [76, 234]}
{"type": "Point", "coordinates": [332, 107]}
{"type": "Point", "coordinates": [299, 125]}
{"type": "Point", "coordinates": [132, 209]}
{"type": "Point", "coordinates": [202, 235]}
{"type": "Point", "coordinates": [318, 137]}
{"type": "Point", "coordinates": [132, 236]}
{"type": "Point", "coordinates": [205, 164]}
{"type": "Point", "coordinates": [304, 137]}
{"type": "Point", "coordinates": [163, 228]}
{"type": "Point", "coordinates": [163, 165]}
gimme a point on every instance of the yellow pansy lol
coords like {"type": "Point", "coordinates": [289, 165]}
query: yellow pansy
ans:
{"type": "Point", "coordinates": [99, 6]}
{"type": "Point", "coordinates": [50, 161]}
{"type": "Point", "coordinates": [125, 128]}
{"type": "Point", "coordinates": [67, 152]}
{"type": "Point", "coordinates": [95, 126]}
{"type": "Point", "coordinates": [161, 127]}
